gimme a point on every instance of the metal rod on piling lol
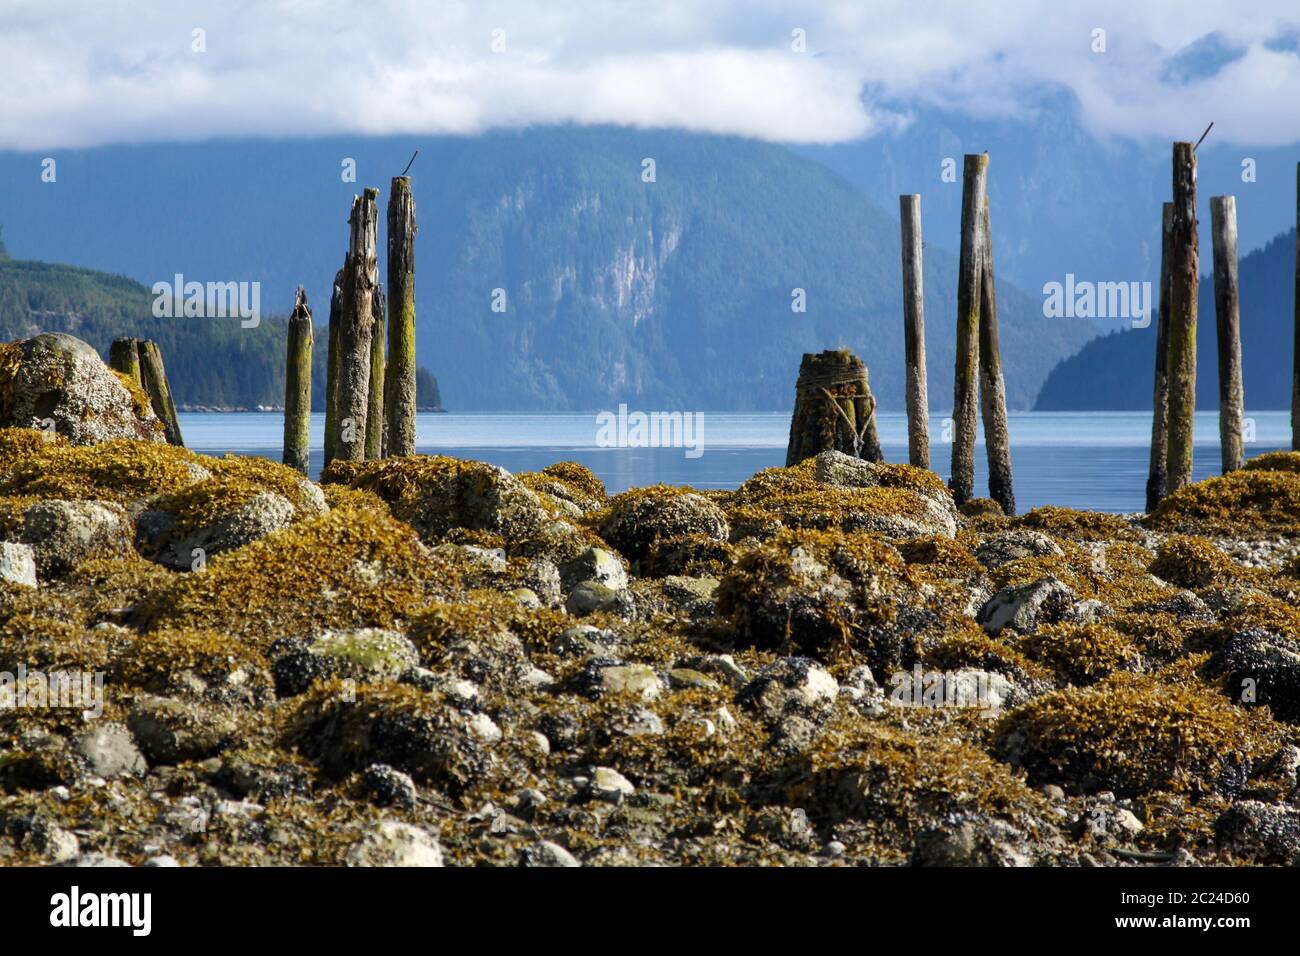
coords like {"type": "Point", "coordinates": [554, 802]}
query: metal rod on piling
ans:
{"type": "Point", "coordinates": [918, 403]}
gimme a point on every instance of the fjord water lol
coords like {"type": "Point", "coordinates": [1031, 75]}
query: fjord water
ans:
{"type": "Point", "coordinates": [1089, 460]}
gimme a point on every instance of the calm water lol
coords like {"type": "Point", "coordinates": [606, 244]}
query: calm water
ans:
{"type": "Point", "coordinates": [1095, 460]}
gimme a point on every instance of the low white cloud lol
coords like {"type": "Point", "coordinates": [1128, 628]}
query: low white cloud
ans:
{"type": "Point", "coordinates": [76, 74]}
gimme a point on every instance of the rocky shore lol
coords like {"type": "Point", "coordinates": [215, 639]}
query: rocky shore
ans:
{"type": "Point", "coordinates": [430, 661]}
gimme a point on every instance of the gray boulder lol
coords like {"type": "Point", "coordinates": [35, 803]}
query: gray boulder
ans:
{"type": "Point", "coordinates": [61, 379]}
{"type": "Point", "coordinates": [17, 563]}
{"type": "Point", "coordinates": [63, 534]}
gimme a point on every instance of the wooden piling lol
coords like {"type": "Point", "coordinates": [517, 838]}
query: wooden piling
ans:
{"type": "Point", "coordinates": [297, 386]}
{"type": "Point", "coordinates": [1184, 269]}
{"type": "Point", "coordinates": [918, 402]}
{"type": "Point", "coordinates": [153, 378]}
{"type": "Point", "coordinates": [993, 392]}
{"type": "Point", "coordinates": [965, 379]}
{"type": "Point", "coordinates": [357, 321]}
{"type": "Point", "coordinates": [375, 412]}
{"type": "Point", "coordinates": [399, 381]}
{"type": "Point", "coordinates": [1227, 313]}
{"type": "Point", "coordinates": [124, 356]}
{"type": "Point", "coordinates": [1295, 367]}
{"type": "Point", "coordinates": [833, 408]}
{"type": "Point", "coordinates": [1157, 477]}
{"type": "Point", "coordinates": [332, 368]}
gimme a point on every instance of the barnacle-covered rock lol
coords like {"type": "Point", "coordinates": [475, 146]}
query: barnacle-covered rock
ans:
{"type": "Point", "coordinates": [58, 380]}
{"type": "Point", "coordinates": [639, 518]}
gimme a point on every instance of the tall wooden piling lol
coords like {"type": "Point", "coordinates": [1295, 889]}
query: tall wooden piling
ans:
{"type": "Point", "coordinates": [1295, 367]}
{"type": "Point", "coordinates": [918, 402]}
{"type": "Point", "coordinates": [375, 413]}
{"type": "Point", "coordinates": [357, 321]}
{"type": "Point", "coordinates": [332, 368]}
{"type": "Point", "coordinates": [965, 380]}
{"type": "Point", "coordinates": [399, 381]}
{"type": "Point", "coordinates": [297, 386]}
{"type": "Point", "coordinates": [833, 408]}
{"type": "Point", "coordinates": [993, 391]}
{"type": "Point", "coordinates": [1184, 269]}
{"type": "Point", "coordinates": [1157, 476]}
{"type": "Point", "coordinates": [1227, 313]}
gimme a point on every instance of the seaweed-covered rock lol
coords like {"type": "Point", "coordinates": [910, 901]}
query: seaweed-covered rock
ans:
{"type": "Point", "coordinates": [639, 518]}
{"type": "Point", "coordinates": [368, 654]}
{"type": "Point", "coordinates": [1257, 667]}
{"type": "Point", "coordinates": [1135, 734]}
{"type": "Point", "coordinates": [63, 534]}
{"type": "Point", "coordinates": [1250, 499]}
{"type": "Point", "coordinates": [1011, 546]}
{"type": "Point", "coordinates": [897, 501]}
{"type": "Point", "coordinates": [160, 536]}
{"type": "Point", "coordinates": [58, 378]}
{"type": "Point", "coordinates": [1024, 607]}
{"type": "Point", "coordinates": [791, 685]}
{"type": "Point", "coordinates": [811, 588]}
{"type": "Point", "coordinates": [1190, 562]}
{"type": "Point", "coordinates": [595, 564]}
{"type": "Point", "coordinates": [346, 730]}
{"type": "Point", "coordinates": [1261, 833]}
{"type": "Point", "coordinates": [170, 731]}
{"type": "Point", "coordinates": [438, 495]}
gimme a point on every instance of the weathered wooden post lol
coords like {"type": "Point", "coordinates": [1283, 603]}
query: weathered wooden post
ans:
{"type": "Point", "coordinates": [154, 378]}
{"type": "Point", "coordinates": [965, 381]}
{"type": "Point", "coordinates": [297, 386]}
{"type": "Point", "coordinates": [833, 408]}
{"type": "Point", "coordinates": [1227, 313]}
{"type": "Point", "coordinates": [1157, 477]}
{"type": "Point", "coordinates": [352, 384]}
{"type": "Point", "coordinates": [332, 368]}
{"type": "Point", "coordinates": [1184, 268]}
{"type": "Point", "coordinates": [1295, 368]}
{"type": "Point", "coordinates": [141, 361]}
{"type": "Point", "coordinates": [993, 391]}
{"type": "Point", "coordinates": [375, 413]}
{"type": "Point", "coordinates": [399, 382]}
{"type": "Point", "coordinates": [124, 356]}
{"type": "Point", "coordinates": [918, 401]}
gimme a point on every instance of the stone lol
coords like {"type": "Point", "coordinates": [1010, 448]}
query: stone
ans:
{"type": "Point", "coordinates": [111, 752]}
{"type": "Point", "coordinates": [61, 380]}
{"type": "Point", "coordinates": [171, 731]}
{"type": "Point", "coordinates": [638, 680]}
{"type": "Point", "coordinates": [1009, 546]}
{"type": "Point", "coordinates": [389, 787]}
{"type": "Point", "coordinates": [637, 521]}
{"type": "Point", "coordinates": [595, 564]}
{"type": "Point", "coordinates": [63, 534]}
{"type": "Point", "coordinates": [17, 564]}
{"type": "Point", "coordinates": [1024, 607]}
{"type": "Point", "coordinates": [393, 843]}
{"type": "Point", "coordinates": [608, 784]}
{"type": "Point", "coordinates": [591, 596]}
{"type": "Point", "coordinates": [546, 853]}
{"type": "Point", "coordinates": [795, 685]}
{"type": "Point", "coordinates": [1261, 832]}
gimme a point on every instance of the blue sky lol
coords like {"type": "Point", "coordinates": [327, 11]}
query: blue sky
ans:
{"type": "Point", "coordinates": [74, 73]}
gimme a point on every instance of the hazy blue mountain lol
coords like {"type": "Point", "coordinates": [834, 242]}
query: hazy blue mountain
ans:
{"type": "Point", "coordinates": [668, 294]}
{"type": "Point", "coordinates": [1116, 371]}
{"type": "Point", "coordinates": [1061, 200]}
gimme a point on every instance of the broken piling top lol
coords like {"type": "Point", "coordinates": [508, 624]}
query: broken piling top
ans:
{"type": "Point", "coordinates": [141, 361]}
{"type": "Point", "coordinates": [833, 408]}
